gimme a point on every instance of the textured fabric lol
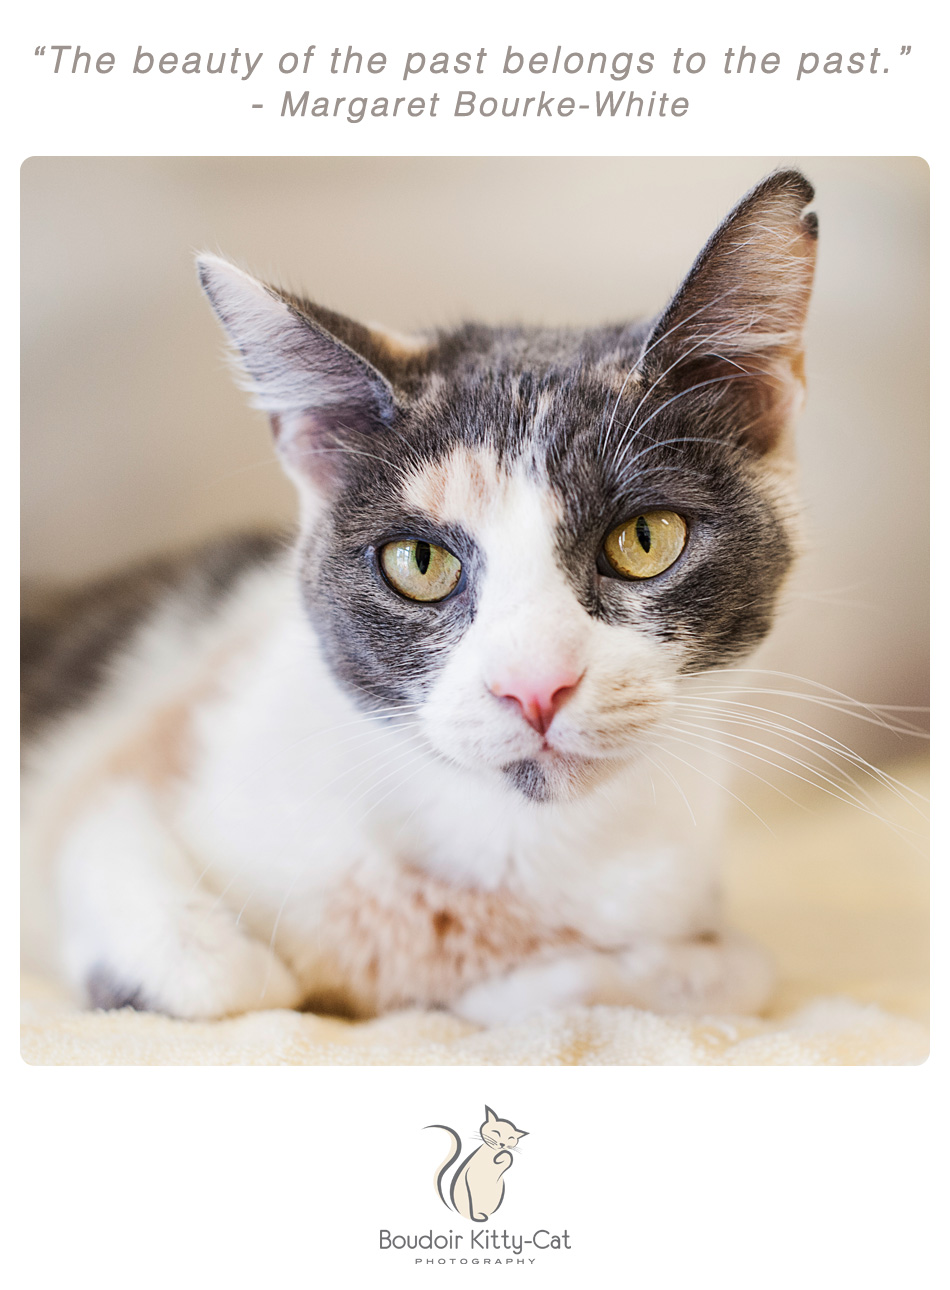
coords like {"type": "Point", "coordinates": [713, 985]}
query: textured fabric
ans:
{"type": "Point", "coordinates": [840, 897]}
{"type": "Point", "coordinates": [826, 1032]}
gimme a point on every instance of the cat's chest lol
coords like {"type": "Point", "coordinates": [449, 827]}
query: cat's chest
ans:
{"type": "Point", "coordinates": [393, 916]}
{"type": "Point", "coordinates": [385, 933]}
{"type": "Point", "coordinates": [390, 935]}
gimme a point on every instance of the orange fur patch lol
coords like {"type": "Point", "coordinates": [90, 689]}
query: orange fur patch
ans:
{"type": "Point", "coordinates": [465, 485]}
{"type": "Point", "coordinates": [458, 488]}
{"type": "Point", "coordinates": [419, 941]}
{"type": "Point", "coordinates": [157, 753]}
{"type": "Point", "coordinates": [398, 347]}
{"type": "Point", "coordinates": [616, 379]}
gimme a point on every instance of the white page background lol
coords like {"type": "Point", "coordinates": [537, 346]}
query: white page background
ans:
{"type": "Point", "coordinates": [663, 1177]}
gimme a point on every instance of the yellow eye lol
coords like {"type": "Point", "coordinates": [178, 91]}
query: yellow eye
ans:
{"type": "Point", "coordinates": [645, 546]}
{"type": "Point", "coordinates": [420, 570]}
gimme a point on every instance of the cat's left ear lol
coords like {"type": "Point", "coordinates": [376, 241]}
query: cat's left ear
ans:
{"type": "Point", "coordinates": [729, 344]}
{"type": "Point", "coordinates": [325, 380]}
{"type": "Point", "coordinates": [490, 1116]}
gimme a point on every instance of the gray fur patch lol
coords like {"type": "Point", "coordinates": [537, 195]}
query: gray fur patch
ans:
{"type": "Point", "coordinates": [529, 779]}
{"type": "Point", "coordinates": [105, 992]}
{"type": "Point", "coordinates": [68, 639]}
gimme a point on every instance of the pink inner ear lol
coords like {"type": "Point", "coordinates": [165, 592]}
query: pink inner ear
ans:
{"type": "Point", "coordinates": [772, 398]}
{"type": "Point", "coordinates": [309, 448]}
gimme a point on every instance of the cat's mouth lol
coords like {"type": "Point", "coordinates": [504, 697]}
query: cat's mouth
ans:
{"type": "Point", "coordinates": [575, 753]}
{"type": "Point", "coordinates": [553, 776]}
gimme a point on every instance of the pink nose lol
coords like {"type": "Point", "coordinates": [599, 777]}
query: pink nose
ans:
{"type": "Point", "coordinates": [538, 696]}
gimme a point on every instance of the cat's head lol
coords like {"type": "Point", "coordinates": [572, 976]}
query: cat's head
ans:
{"type": "Point", "coordinates": [528, 535]}
{"type": "Point", "coordinates": [499, 1134]}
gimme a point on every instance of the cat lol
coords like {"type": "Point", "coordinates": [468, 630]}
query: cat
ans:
{"type": "Point", "coordinates": [478, 1187]}
{"type": "Point", "coordinates": [424, 755]}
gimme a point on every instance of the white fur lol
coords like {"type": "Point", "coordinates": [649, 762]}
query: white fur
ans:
{"type": "Point", "coordinates": [291, 839]}
{"type": "Point", "coordinates": [214, 895]}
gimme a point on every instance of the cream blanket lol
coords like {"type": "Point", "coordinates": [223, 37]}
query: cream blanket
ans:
{"type": "Point", "coordinates": [839, 898]}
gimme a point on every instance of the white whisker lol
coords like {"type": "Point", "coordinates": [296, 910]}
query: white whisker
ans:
{"type": "Point", "coordinates": [809, 742]}
{"type": "Point", "coordinates": [669, 752]}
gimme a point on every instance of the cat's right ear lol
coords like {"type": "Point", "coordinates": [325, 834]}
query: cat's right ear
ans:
{"type": "Point", "coordinates": [320, 393]}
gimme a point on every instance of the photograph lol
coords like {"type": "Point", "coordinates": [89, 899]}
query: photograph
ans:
{"type": "Point", "coordinates": [475, 612]}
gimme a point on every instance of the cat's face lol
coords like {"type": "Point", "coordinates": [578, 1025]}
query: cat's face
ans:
{"type": "Point", "coordinates": [499, 1134]}
{"type": "Point", "coordinates": [537, 660]}
{"type": "Point", "coordinates": [521, 539]}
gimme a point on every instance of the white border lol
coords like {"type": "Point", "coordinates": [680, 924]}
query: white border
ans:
{"type": "Point", "coordinates": [778, 1177]}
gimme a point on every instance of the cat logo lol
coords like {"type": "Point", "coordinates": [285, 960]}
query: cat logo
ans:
{"type": "Point", "coordinates": [477, 1187]}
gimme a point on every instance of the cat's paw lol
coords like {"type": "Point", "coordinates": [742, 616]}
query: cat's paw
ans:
{"type": "Point", "coordinates": [198, 966]}
{"type": "Point", "coordinates": [528, 990]}
{"type": "Point", "coordinates": [724, 974]}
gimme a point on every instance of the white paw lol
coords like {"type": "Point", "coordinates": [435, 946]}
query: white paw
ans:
{"type": "Point", "coordinates": [725, 975]}
{"type": "Point", "coordinates": [528, 990]}
{"type": "Point", "coordinates": [197, 965]}
{"type": "Point", "coordinates": [729, 974]}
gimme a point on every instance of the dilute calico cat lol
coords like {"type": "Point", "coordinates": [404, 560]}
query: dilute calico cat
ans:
{"type": "Point", "coordinates": [477, 1187]}
{"type": "Point", "coordinates": [426, 755]}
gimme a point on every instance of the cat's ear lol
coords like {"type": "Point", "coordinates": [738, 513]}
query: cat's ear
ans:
{"type": "Point", "coordinates": [732, 334]}
{"type": "Point", "coordinates": [490, 1116]}
{"type": "Point", "coordinates": [521, 1133]}
{"type": "Point", "coordinates": [306, 366]}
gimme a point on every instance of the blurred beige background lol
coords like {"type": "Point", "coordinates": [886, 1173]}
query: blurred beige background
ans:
{"type": "Point", "coordinates": [135, 439]}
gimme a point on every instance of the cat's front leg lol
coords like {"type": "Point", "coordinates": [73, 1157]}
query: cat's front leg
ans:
{"type": "Point", "coordinates": [722, 974]}
{"type": "Point", "coordinates": [140, 930]}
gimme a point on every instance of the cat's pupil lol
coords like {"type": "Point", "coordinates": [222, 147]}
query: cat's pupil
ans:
{"type": "Point", "coordinates": [424, 555]}
{"type": "Point", "coordinates": [642, 529]}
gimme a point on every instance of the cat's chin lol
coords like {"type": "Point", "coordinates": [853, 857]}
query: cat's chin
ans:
{"type": "Point", "coordinates": [555, 777]}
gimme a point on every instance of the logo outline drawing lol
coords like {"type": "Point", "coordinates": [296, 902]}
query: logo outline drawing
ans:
{"type": "Point", "coordinates": [477, 1188]}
